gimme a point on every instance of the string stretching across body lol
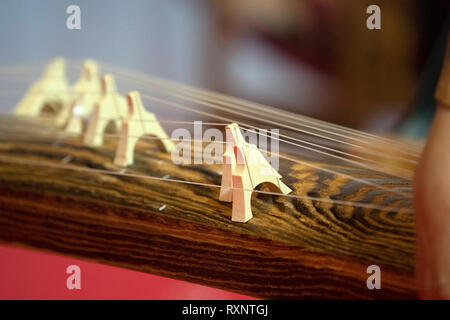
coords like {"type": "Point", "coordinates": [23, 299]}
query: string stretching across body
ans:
{"type": "Point", "coordinates": [312, 203]}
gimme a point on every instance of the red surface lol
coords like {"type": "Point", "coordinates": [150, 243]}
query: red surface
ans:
{"type": "Point", "coordinates": [29, 274]}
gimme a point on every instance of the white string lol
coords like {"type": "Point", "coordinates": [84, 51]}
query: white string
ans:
{"type": "Point", "coordinates": [250, 126]}
{"type": "Point", "coordinates": [285, 114]}
{"type": "Point", "coordinates": [14, 160]}
{"type": "Point", "coordinates": [299, 140]}
{"type": "Point", "coordinates": [363, 181]}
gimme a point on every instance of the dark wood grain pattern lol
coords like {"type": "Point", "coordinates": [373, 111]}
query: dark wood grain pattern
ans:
{"type": "Point", "coordinates": [292, 248]}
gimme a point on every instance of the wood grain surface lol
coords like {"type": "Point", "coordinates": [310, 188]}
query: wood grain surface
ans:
{"type": "Point", "coordinates": [292, 248]}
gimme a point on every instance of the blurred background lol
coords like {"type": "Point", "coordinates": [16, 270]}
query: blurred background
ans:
{"type": "Point", "coordinates": [313, 57]}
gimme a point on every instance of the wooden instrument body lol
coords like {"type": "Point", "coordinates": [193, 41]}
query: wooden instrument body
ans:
{"type": "Point", "coordinates": [84, 207]}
